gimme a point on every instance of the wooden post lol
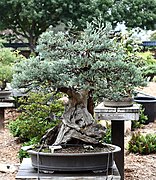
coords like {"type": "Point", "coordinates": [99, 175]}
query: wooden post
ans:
{"type": "Point", "coordinates": [118, 139]}
{"type": "Point", "coordinates": [1, 117]}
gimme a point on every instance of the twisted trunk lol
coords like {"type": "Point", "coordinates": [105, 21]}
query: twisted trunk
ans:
{"type": "Point", "coordinates": [77, 124]}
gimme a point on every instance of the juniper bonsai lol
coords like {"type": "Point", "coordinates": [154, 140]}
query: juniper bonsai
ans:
{"type": "Point", "coordinates": [84, 66]}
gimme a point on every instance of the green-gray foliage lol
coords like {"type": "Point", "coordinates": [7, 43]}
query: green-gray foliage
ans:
{"type": "Point", "coordinates": [90, 61]}
{"type": "Point", "coordinates": [38, 113]}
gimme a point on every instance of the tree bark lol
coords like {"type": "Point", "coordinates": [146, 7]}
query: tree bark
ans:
{"type": "Point", "coordinates": [90, 104]}
{"type": "Point", "coordinates": [78, 124]}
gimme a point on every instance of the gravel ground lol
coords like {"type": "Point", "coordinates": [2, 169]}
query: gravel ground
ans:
{"type": "Point", "coordinates": [8, 155]}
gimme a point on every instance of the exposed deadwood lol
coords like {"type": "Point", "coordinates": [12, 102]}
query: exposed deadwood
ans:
{"type": "Point", "coordinates": [50, 136]}
{"type": "Point", "coordinates": [77, 122]}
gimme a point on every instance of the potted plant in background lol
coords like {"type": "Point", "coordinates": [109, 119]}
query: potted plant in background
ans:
{"type": "Point", "coordinates": [83, 66]}
{"type": "Point", "coordinates": [122, 78]}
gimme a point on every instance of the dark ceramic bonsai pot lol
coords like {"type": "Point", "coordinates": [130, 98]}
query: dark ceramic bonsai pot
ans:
{"type": "Point", "coordinates": [73, 161]}
{"type": "Point", "coordinates": [149, 105]}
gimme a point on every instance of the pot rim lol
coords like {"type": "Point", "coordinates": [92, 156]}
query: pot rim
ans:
{"type": "Point", "coordinates": [145, 99]}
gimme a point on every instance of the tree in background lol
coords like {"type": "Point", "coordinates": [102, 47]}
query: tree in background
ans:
{"type": "Point", "coordinates": [29, 18]}
{"type": "Point", "coordinates": [138, 13]}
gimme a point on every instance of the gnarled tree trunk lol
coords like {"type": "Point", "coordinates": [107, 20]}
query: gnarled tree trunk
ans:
{"type": "Point", "coordinates": [78, 123]}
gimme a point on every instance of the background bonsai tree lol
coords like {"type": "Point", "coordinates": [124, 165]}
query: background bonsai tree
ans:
{"type": "Point", "coordinates": [84, 66]}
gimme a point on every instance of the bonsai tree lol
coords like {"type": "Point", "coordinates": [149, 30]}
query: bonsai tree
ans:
{"type": "Point", "coordinates": [7, 59]}
{"type": "Point", "coordinates": [84, 66]}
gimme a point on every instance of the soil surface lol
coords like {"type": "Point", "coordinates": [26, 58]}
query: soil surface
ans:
{"type": "Point", "coordinates": [76, 149]}
{"type": "Point", "coordinates": [137, 167]}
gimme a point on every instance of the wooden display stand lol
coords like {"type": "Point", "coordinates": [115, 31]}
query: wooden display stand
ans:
{"type": "Point", "coordinates": [3, 106]}
{"type": "Point", "coordinates": [117, 117]}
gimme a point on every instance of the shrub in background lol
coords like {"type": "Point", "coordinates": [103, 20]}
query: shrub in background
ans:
{"type": "Point", "coordinates": [24, 154]}
{"type": "Point", "coordinates": [150, 71]}
{"type": "Point", "coordinates": [107, 137]}
{"type": "Point", "coordinates": [142, 144]}
{"type": "Point", "coordinates": [149, 68]}
{"type": "Point", "coordinates": [39, 112]}
{"type": "Point", "coordinates": [142, 119]}
{"type": "Point", "coordinates": [7, 59]}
